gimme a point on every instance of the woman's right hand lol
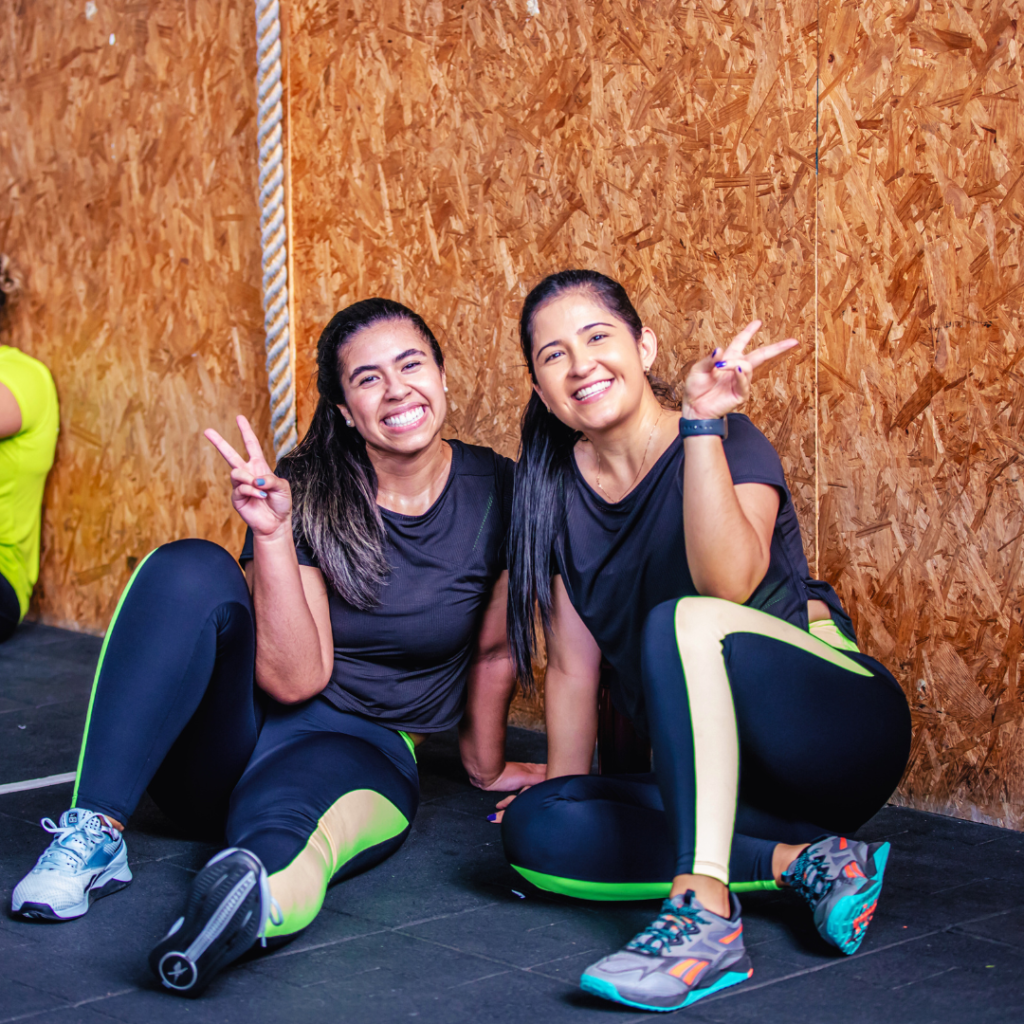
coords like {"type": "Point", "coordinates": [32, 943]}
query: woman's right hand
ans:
{"type": "Point", "coordinates": [263, 500]}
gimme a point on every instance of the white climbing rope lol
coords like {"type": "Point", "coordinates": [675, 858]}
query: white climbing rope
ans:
{"type": "Point", "coordinates": [273, 227]}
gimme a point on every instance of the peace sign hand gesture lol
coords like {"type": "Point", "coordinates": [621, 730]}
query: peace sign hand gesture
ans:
{"type": "Point", "coordinates": [263, 500]}
{"type": "Point", "coordinates": [720, 383]}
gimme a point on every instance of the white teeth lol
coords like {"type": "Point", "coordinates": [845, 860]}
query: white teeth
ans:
{"type": "Point", "coordinates": [403, 419]}
{"type": "Point", "coordinates": [592, 389]}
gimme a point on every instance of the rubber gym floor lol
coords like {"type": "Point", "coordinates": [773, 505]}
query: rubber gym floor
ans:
{"type": "Point", "coordinates": [446, 932]}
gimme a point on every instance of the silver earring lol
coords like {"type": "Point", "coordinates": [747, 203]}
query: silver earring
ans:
{"type": "Point", "coordinates": [349, 423]}
{"type": "Point", "coordinates": [446, 389]}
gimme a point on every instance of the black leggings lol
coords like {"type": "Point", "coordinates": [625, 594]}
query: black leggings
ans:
{"type": "Point", "coordinates": [761, 732]}
{"type": "Point", "coordinates": [10, 609]}
{"type": "Point", "coordinates": [315, 793]}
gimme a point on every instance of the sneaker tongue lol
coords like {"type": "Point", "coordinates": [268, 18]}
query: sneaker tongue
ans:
{"type": "Point", "coordinates": [684, 901]}
{"type": "Point", "coordinates": [77, 816]}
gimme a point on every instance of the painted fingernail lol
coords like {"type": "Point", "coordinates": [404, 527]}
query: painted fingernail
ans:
{"type": "Point", "coordinates": [263, 494]}
{"type": "Point", "coordinates": [715, 353]}
{"type": "Point", "coordinates": [260, 482]}
{"type": "Point", "coordinates": [739, 369]}
{"type": "Point", "coordinates": [721, 366]}
{"type": "Point", "coordinates": [492, 817]}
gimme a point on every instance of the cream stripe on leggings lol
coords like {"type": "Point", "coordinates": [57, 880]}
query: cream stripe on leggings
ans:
{"type": "Point", "coordinates": [701, 629]}
{"type": "Point", "coordinates": [813, 739]}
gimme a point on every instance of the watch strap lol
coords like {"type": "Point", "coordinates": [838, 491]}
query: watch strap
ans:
{"type": "Point", "coordinates": [704, 428]}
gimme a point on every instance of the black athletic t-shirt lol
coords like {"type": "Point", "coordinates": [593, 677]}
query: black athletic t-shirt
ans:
{"type": "Point", "coordinates": [404, 663]}
{"type": "Point", "coordinates": [619, 561]}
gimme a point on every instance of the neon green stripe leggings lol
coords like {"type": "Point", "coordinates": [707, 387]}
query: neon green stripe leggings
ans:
{"type": "Point", "coordinates": [315, 793]}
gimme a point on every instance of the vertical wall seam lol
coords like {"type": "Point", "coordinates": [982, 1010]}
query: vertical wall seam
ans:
{"type": "Point", "coordinates": [817, 410]}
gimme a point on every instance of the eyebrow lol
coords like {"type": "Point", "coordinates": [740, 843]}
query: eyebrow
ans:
{"type": "Point", "coordinates": [403, 355]}
{"type": "Point", "coordinates": [582, 330]}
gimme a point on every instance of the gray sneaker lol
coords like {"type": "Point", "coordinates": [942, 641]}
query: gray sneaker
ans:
{"type": "Point", "coordinates": [687, 953]}
{"type": "Point", "coordinates": [841, 880]}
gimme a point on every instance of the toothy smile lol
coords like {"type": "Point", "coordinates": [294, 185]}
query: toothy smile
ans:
{"type": "Point", "coordinates": [406, 418]}
{"type": "Point", "coordinates": [591, 390]}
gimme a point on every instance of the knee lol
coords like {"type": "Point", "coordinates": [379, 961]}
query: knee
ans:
{"type": "Point", "coordinates": [537, 818]}
{"type": "Point", "coordinates": [691, 623]}
{"type": "Point", "coordinates": [193, 567]}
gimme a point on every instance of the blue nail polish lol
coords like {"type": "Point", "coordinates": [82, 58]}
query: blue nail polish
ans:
{"type": "Point", "coordinates": [715, 353]}
{"type": "Point", "coordinates": [739, 369]}
{"type": "Point", "coordinates": [492, 817]}
{"type": "Point", "coordinates": [260, 482]}
{"type": "Point", "coordinates": [720, 366]}
{"type": "Point", "coordinates": [263, 494]}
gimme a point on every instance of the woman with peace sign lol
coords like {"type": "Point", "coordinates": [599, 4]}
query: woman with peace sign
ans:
{"type": "Point", "coordinates": [284, 714]}
{"type": "Point", "coordinates": [667, 546]}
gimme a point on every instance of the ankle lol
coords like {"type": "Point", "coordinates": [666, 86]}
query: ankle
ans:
{"type": "Point", "coordinates": [783, 857]}
{"type": "Point", "coordinates": [112, 822]}
{"type": "Point", "coordinates": [712, 893]}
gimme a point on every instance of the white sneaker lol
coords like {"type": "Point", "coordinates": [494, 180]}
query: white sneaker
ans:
{"type": "Point", "coordinates": [86, 860]}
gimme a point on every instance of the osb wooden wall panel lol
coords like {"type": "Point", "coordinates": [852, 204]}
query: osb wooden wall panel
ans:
{"type": "Point", "coordinates": [127, 198]}
{"type": "Point", "coordinates": [449, 155]}
{"type": "Point", "coordinates": [922, 396]}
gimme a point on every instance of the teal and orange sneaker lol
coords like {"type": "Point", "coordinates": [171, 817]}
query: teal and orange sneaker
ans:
{"type": "Point", "coordinates": [841, 880]}
{"type": "Point", "coordinates": [687, 953]}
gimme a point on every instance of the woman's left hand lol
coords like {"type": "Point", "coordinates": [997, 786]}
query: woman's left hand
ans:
{"type": "Point", "coordinates": [502, 805]}
{"type": "Point", "coordinates": [720, 383]}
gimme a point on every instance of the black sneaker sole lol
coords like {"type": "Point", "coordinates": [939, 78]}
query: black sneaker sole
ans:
{"type": "Point", "coordinates": [221, 921]}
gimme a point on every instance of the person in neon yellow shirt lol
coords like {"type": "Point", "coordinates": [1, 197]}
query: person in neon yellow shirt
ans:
{"type": "Point", "coordinates": [29, 421]}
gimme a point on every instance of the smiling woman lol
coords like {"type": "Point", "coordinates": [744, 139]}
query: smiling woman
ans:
{"type": "Point", "coordinates": [374, 615]}
{"type": "Point", "coordinates": [665, 544]}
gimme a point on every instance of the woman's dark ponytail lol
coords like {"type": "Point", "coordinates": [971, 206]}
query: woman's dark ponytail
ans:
{"type": "Point", "coordinates": [334, 487]}
{"type": "Point", "coordinates": [538, 505]}
{"type": "Point", "coordinates": [545, 466]}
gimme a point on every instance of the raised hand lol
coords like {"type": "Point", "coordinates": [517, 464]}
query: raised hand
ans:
{"type": "Point", "coordinates": [263, 500]}
{"type": "Point", "coordinates": [720, 383]}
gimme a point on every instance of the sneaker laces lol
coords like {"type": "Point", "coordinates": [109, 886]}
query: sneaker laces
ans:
{"type": "Point", "coordinates": [673, 925]}
{"type": "Point", "coordinates": [73, 843]}
{"type": "Point", "coordinates": [809, 878]}
{"type": "Point", "coordinates": [274, 917]}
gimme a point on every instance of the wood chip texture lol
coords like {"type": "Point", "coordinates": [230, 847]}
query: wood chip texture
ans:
{"type": "Point", "coordinates": [850, 173]}
{"type": "Point", "coordinates": [451, 154]}
{"type": "Point", "coordinates": [127, 200]}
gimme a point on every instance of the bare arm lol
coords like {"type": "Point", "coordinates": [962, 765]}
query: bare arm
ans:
{"type": "Point", "coordinates": [728, 527]}
{"type": "Point", "coordinates": [294, 646]}
{"type": "Point", "coordinates": [294, 642]}
{"type": "Point", "coordinates": [570, 688]}
{"type": "Point", "coordinates": [490, 687]}
{"type": "Point", "coordinates": [10, 412]}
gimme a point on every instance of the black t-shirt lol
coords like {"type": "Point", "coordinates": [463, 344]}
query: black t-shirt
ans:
{"type": "Point", "coordinates": [404, 662]}
{"type": "Point", "coordinates": [620, 561]}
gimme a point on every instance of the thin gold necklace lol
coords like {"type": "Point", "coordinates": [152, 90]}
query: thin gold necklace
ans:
{"type": "Point", "coordinates": [643, 463]}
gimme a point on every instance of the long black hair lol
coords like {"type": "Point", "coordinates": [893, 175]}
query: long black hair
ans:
{"type": "Point", "coordinates": [545, 453]}
{"type": "Point", "coordinates": [334, 486]}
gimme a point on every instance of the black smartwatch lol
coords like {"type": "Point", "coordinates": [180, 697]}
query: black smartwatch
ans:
{"type": "Point", "coordinates": [704, 428]}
